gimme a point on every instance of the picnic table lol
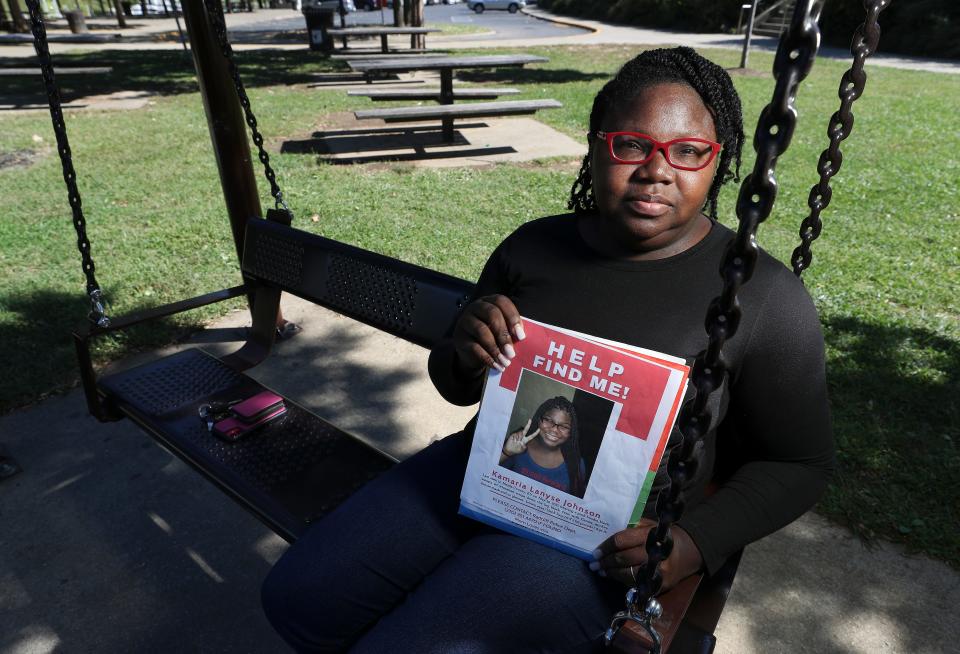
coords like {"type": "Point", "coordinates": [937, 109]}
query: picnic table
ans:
{"type": "Point", "coordinates": [445, 66]}
{"type": "Point", "coordinates": [383, 32]}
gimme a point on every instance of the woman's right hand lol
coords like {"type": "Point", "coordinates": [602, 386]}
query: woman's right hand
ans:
{"type": "Point", "coordinates": [516, 442]}
{"type": "Point", "coordinates": [483, 336]}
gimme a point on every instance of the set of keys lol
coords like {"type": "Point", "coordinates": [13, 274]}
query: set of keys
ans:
{"type": "Point", "coordinates": [232, 419]}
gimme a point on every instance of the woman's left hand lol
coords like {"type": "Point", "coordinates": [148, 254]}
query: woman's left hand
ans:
{"type": "Point", "coordinates": [621, 555]}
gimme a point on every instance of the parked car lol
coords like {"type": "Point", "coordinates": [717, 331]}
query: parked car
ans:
{"type": "Point", "coordinates": [331, 5]}
{"type": "Point", "coordinates": [479, 6]}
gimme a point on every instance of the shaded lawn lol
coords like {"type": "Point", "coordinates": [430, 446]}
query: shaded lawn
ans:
{"type": "Point", "coordinates": [884, 275]}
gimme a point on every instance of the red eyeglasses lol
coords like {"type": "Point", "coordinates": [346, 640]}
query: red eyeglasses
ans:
{"type": "Point", "coordinates": [687, 153]}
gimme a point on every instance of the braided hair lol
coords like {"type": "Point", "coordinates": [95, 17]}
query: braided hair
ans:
{"type": "Point", "coordinates": [570, 449]}
{"type": "Point", "coordinates": [664, 66]}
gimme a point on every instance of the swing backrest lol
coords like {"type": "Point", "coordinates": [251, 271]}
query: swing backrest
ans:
{"type": "Point", "coordinates": [409, 301]}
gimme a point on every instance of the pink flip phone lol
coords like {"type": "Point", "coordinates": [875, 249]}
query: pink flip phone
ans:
{"type": "Point", "coordinates": [249, 415]}
{"type": "Point", "coordinates": [256, 407]}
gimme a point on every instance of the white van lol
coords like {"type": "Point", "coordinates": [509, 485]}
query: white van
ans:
{"type": "Point", "coordinates": [479, 6]}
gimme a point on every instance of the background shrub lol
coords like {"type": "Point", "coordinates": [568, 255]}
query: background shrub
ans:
{"type": "Point", "coordinates": [688, 15]}
{"type": "Point", "coordinates": [928, 28]}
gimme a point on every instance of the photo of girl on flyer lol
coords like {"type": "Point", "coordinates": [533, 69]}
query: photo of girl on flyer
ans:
{"type": "Point", "coordinates": [547, 448]}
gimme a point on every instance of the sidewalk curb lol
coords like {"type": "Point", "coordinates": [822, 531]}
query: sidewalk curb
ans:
{"type": "Point", "coordinates": [553, 18]}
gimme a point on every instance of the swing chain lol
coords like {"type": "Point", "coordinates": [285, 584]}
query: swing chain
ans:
{"type": "Point", "coordinates": [863, 45]}
{"type": "Point", "coordinates": [97, 313]}
{"type": "Point", "coordinates": [794, 59]}
{"type": "Point", "coordinates": [215, 11]}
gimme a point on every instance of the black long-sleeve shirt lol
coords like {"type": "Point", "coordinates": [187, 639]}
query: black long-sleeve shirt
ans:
{"type": "Point", "coordinates": [770, 443]}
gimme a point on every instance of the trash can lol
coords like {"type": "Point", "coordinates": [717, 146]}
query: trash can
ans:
{"type": "Point", "coordinates": [319, 20]}
{"type": "Point", "coordinates": [75, 21]}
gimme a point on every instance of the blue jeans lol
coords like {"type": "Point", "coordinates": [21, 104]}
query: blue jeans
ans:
{"type": "Point", "coordinates": [395, 569]}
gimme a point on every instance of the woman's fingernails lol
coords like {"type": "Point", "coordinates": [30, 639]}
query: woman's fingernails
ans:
{"type": "Point", "coordinates": [504, 361]}
{"type": "Point", "coordinates": [518, 331]}
{"type": "Point", "coordinates": [497, 366]}
{"type": "Point", "coordinates": [509, 351]}
{"type": "Point", "coordinates": [597, 554]}
{"type": "Point", "coordinates": [595, 565]}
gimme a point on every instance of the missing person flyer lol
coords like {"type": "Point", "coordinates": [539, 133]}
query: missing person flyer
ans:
{"type": "Point", "coordinates": [569, 437]}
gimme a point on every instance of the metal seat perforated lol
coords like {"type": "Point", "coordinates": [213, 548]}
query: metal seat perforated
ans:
{"type": "Point", "coordinates": [289, 472]}
{"type": "Point", "coordinates": [379, 296]}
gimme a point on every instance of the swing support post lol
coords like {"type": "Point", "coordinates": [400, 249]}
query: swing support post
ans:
{"type": "Point", "coordinates": [225, 122]}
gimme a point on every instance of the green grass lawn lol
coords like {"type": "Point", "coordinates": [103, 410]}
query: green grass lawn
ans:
{"type": "Point", "coordinates": [452, 29]}
{"type": "Point", "coordinates": [885, 272]}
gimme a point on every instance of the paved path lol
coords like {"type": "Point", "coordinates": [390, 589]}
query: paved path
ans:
{"type": "Point", "coordinates": [606, 33]}
{"type": "Point", "coordinates": [490, 25]}
{"type": "Point", "coordinates": [109, 544]}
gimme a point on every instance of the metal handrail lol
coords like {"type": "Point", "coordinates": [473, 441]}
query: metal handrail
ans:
{"type": "Point", "coordinates": [769, 10]}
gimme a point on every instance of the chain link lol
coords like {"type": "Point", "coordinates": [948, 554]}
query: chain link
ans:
{"type": "Point", "coordinates": [215, 11]}
{"type": "Point", "coordinates": [97, 313]}
{"type": "Point", "coordinates": [794, 59]}
{"type": "Point", "coordinates": [863, 45]}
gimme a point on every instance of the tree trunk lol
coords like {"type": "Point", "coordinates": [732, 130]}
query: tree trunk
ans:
{"type": "Point", "coordinates": [121, 19]}
{"type": "Point", "coordinates": [417, 41]}
{"type": "Point", "coordinates": [4, 23]}
{"type": "Point", "coordinates": [398, 13]}
{"type": "Point", "coordinates": [16, 15]}
{"type": "Point", "coordinates": [143, 8]}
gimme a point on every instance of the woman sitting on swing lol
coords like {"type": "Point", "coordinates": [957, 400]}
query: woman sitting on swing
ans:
{"type": "Point", "coordinates": [395, 568]}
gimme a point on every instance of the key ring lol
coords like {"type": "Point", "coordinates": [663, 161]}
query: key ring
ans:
{"type": "Point", "coordinates": [214, 412]}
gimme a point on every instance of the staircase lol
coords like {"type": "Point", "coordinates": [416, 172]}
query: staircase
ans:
{"type": "Point", "coordinates": [773, 17]}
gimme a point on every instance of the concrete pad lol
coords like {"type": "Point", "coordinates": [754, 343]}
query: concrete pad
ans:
{"type": "Point", "coordinates": [104, 528]}
{"type": "Point", "coordinates": [814, 587]}
{"type": "Point", "coordinates": [110, 544]}
{"type": "Point", "coordinates": [484, 142]}
{"type": "Point", "coordinates": [115, 101]}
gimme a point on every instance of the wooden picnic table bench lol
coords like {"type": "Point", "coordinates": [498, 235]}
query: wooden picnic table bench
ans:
{"type": "Point", "coordinates": [383, 32]}
{"type": "Point", "coordinates": [412, 53]}
{"type": "Point", "coordinates": [444, 62]}
{"type": "Point", "coordinates": [445, 65]}
{"type": "Point", "coordinates": [451, 111]}
{"type": "Point", "coordinates": [425, 93]}
{"type": "Point", "coordinates": [17, 39]}
{"type": "Point", "coordinates": [78, 70]}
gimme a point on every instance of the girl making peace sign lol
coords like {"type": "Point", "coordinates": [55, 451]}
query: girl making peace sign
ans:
{"type": "Point", "coordinates": [547, 448]}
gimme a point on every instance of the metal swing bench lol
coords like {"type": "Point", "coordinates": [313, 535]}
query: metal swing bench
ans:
{"type": "Point", "coordinates": [296, 469]}
{"type": "Point", "coordinates": [301, 466]}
